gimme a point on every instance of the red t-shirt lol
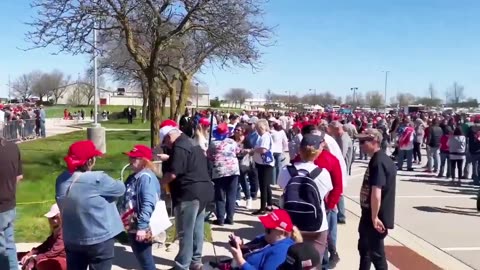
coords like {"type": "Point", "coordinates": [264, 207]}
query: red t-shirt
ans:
{"type": "Point", "coordinates": [329, 162]}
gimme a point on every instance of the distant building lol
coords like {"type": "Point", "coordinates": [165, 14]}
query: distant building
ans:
{"type": "Point", "coordinates": [249, 104]}
{"type": "Point", "coordinates": [124, 97]}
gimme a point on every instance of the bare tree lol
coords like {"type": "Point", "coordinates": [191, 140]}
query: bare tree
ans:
{"type": "Point", "coordinates": [349, 99]}
{"type": "Point", "coordinates": [432, 92]}
{"type": "Point", "coordinates": [50, 85]}
{"type": "Point", "coordinates": [374, 99]}
{"type": "Point", "coordinates": [455, 94]}
{"type": "Point", "coordinates": [238, 95]}
{"type": "Point", "coordinates": [23, 85]}
{"type": "Point", "coordinates": [86, 85]}
{"type": "Point", "coordinates": [77, 97]}
{"type": "Point", "coordinates": [405, 99]}
{"type": "Point", "coordinates": [222, 31]}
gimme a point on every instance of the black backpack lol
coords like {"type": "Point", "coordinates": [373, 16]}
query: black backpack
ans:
{"type": "Point", "coordinates": [302, 200]}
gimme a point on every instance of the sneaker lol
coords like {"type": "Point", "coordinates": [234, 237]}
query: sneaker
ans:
{"type": "Point", "coordinates": [333, 260]}
{"type": "Point", "coordinates": [248, 205]}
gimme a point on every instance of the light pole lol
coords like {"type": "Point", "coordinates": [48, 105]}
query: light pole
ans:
{"type": "Point", "coordinates": [314, 95]}
{"type": "Point", "coordinates": [386, 83]}
{"type": "Point", "coordinates": [196, 84]}
{"type": "Point", "coordinates": [354, 89]}
{"type": "Point", "coordinates": [95, 77]}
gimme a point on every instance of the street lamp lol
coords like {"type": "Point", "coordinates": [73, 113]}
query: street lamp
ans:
{"type": "Point", "coordinates": [288, 92]}
{"type": "Point", "coordinates": [95, 77]}
{"type": "Point", "coordinates": [197, 94]}
{"type": "Point", "coordinates": [354, 89]}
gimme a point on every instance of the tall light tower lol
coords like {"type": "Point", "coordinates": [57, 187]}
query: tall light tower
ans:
{"type": "Point", "coordinates": [354, 90]}
{"type": "Point", "coordinates": [386, 83]}
{"type": "Point", "coordinates": [95, 77]}
{"type": "Point", "coordinates": [314, 95]}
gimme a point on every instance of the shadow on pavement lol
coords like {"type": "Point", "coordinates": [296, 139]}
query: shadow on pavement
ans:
{"type": "Point", "coordinates": [437, 182]}
{"type": "Point", "coordinates": [460, 191]}
{"type": "Point", "coordinates": [449, 210]}
{"type": "Point", "coordinates": [126, 260]}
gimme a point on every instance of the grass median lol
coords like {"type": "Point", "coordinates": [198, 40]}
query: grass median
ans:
{"type": "Point", "coordinates": [43, 162]}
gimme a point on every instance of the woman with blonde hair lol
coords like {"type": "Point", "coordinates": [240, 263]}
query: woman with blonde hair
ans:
{"type": "Point", "coordinates": [202, 133]}
{"type": "Point", "coordinates": [138, 204]}
{"type": "Point", "coordinates": [264, 162]}
{"type": "Point", "coordinates": [313, 230]}
{"type": "Point", "coordinates": [269, 250]}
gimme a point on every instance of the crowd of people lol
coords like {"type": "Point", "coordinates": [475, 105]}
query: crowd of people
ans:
{"type": "Point", "coordinates": [22, 122]}
{"type": "Point", "coordinates": [231, 160]}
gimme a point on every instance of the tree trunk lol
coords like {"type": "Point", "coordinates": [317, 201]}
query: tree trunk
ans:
{"type": "Point", "coordinates": [154, 104]}
{"type": "Point", "coordinates": [164, 102]}
{"type": "Point", "coordinates": [144, 103]}
{"type": "Point", "coordinates": [173, 96]}
{"type": "Point", "coordinates": [182, 96]}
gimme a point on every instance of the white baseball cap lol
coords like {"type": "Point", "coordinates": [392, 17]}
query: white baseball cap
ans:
{"type": "Point", "coordinates": [54, 210]}
{"type": "Point", "coordinates": [164, 132]}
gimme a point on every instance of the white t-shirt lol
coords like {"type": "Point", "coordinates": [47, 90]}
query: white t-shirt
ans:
{"type": "Point", "coordinates": [265, 141]}
{"type": "Point", "coordinates": [323, 181]}
{"type": "Point", "coordinates": [280, 141]}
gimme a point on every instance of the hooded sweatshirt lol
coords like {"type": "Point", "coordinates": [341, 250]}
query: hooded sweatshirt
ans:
{"type": "Point", "coordinates": [457, 146]}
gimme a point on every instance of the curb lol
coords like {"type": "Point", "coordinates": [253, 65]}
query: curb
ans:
{"type": "Point", "coordinates": [417, 244]}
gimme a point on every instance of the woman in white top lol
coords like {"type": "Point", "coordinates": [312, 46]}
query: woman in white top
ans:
{"type": "Point", "coordinates": [264, 162]}
{"type": "Point", "coordinates": [310, 148]}
{"type": "Point", "coordinates": [457, 145]}
{"type": "Point", "coordinates": [279, 145]}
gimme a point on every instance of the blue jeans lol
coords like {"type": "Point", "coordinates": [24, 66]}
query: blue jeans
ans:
{"type": "Point", "coordinates": [475, 158]}
{"type": "Point", "coordinates": [225, 196]}
{"type": "Point", "coordinates": [42, 128]}
{"type": "Point", "coordinates": [99, 256]}
{"type": "Point", "coordinates": [433, 153]}
{"type": "Point", "coordinates": [444, 161]}
{"type": "Point", "coordinates": [341, 209]}
{"type": "Point", "coordinates": [332, 237]}
{"type": "Point", "coordinates": [278, 164]}
{"type": "Point", "coordinates": [8, 250]}
{"type": "Point", "coordinates": [405, 154]}
{"type": "Point", "coordinates": [143, 253]}
{"type": "Point", "coordinates": [189, 224]}
{"type": "Point", "coordinates": [245, 186]}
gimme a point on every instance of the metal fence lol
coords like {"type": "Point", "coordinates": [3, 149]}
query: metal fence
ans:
{"type": "Point", "coordinates": [20, 130]}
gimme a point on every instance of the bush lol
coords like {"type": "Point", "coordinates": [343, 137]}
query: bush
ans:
{"type": "Point", "coordinates": [44, 103]}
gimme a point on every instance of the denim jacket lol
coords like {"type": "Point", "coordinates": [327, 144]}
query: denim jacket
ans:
{"type": "Point", "coordinates": [89, 212]}
{"type": "Point", "coordinates": [143, 189]}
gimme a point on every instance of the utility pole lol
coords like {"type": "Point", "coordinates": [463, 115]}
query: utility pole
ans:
{"type": "Point", "coordinates": [95, 77]}
{"type": "Point", "coordinates": [386, 83]}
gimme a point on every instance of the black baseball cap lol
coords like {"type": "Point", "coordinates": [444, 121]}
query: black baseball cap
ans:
{"type": "Point", "coordinates": [312, 140]}
{"type": "Point", "coordinates": [301, 256]}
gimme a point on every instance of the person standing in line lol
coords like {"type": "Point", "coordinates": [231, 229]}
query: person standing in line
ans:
{"type": "Point", "coordinates": [187, 176]}
{"type": "Point", "coordinates": [10, 174]}
{"type": "Point", "coordinates": [457, 145]}
{"type": "Point", "coordinates": [42, 116]}
{"type": "Point", "coordinates": [377, 200]}
{"type": "Point", "coordinates": [344, 141]}
{"type": "Point", "coordinates": [435, 133]}
{"type": "Point", "coordinates": [265, 163]}
{"type": "Point", "coordinates": [87, 203]}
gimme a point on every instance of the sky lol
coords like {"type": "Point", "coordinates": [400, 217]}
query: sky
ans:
{"type": "Point", "coordinates": [319, 44]}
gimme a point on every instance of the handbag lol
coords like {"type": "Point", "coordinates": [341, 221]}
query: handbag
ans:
{"type": "Point", "coordinates": [245, 163]}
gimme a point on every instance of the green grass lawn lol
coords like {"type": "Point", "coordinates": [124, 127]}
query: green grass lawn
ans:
{"type": "Point", "coordinates": [122, 124]}
{"type": "Point", "coordinates": [43, 162]}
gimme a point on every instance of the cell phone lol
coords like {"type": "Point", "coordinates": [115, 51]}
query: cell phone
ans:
{"type": "Point", "coordinates": [232, 241]}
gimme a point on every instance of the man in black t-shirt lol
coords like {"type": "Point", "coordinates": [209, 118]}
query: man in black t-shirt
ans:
{"type": "Point", "coordinates": [377, 199]}
{"type": "Point", "coordinates": [10, 174]}
{"type": "Point", "coordinates": [186, 172]}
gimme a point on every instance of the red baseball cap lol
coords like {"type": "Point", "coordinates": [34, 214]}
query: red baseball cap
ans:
{"type": "Point", "coordinates": [169, 123]}
{"type": "Point", "coordinates": [79, 153]}
{"type": "Point", "coordinates": [204, 122]}
{"type": "Point", "coordinates": [140, 151]}
{"type": "Point", "coordinates": [278, 219]}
